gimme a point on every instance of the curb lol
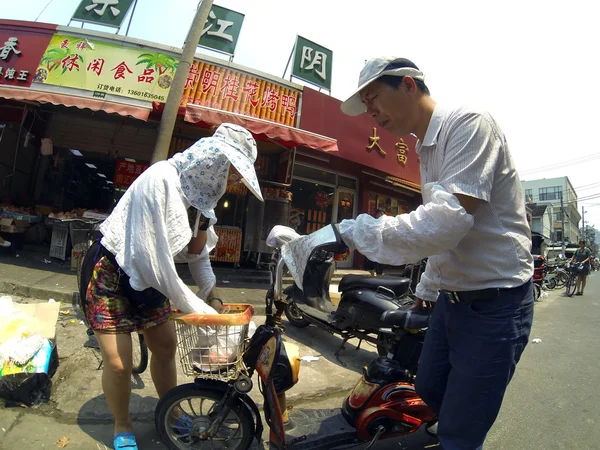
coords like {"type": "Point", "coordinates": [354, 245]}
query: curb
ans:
{"type": "Point", "coordinates": [34, 292]}
{"type": "Point", "coordinates": [43, 294]}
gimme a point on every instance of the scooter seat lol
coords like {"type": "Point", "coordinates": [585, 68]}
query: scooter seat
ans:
{"type": "Point", "coordinates": [398, 285]}
{"type": "Point", "coordinates": [408, 320]}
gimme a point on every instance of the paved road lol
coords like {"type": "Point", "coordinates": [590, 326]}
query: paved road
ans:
{"type": "Point", "coordinates": [552, 403]}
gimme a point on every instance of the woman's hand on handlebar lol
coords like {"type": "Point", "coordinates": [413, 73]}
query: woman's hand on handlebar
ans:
{"type": "Point", "coordinates": [216, 304]}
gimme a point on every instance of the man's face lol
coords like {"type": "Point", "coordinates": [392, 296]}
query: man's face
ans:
{"type": "Point", "coordinates": [582, 245]}
{"type": "Point", "coordinates": [392, 109]}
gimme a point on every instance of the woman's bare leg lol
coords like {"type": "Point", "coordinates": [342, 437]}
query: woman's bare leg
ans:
{"type": "Point", "coordinates": [162, 343]}
{"type": "Point", "coordinates": [116, 376]}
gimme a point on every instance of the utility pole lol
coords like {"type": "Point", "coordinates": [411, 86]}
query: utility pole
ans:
{"type": "Point", "coordinates": [169, 115]}
{"type": "Point", "coordinates": [582, 223]}
{"type": "Point", "coordinates": [562, 216]}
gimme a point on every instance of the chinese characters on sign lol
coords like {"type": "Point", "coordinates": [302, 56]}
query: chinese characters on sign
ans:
{"type": "Point", "coordinates": [99, 66]}
{"type": "Point", "coordinates": [375, 142]}
{"type": "Point", "coordinates": [312, 63]}
{"type": "Point", "coordinates": [401, 147]}
{"type": "Point", "coordinates": [10, 52]}
{"type": "Point", "coordinates": [127, 172]}
{"type": "Point", "coordinates": [222, 30]}
{"type": "Point", "coordinates": [110, 13]}
{"type": "Point", "coordinates": [221, 88]}
{"type": "Point", "coordinates": [402, 151]}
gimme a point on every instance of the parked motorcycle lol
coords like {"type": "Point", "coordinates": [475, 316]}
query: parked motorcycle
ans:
{"type": "Point", "coordinates": [363, 298]}
{"type": "Point", "coordinates": [383, 405]}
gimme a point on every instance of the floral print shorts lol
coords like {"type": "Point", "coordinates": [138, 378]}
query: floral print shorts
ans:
{"type": "Point", "coordinates": [108, 310]}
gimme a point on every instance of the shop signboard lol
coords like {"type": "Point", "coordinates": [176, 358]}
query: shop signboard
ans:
{"type": "Point", "coordinates": [109, 13]}
{"type": "Point", "coordinates": [229, 246]}
{"type": "Point", "coordinates": [229, 90]}
{"type": "Point", "coordinates": [106, 68]}
{"type": "Point", "coordinates": [360, 141]}
{"type": "Point", "coordinates": [312, 63]}
{"type": "Point", "coordinates": [127, 172]}
{"type": "Point", "coordinates": [21, 48]}
{"type": "Point", "coordinates": [222, 30]}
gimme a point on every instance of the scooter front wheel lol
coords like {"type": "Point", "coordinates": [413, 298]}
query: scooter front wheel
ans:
{"type": "Point", "coordinates": [186, 412]}
{"type": "Point", "coordinates": [295, 317]}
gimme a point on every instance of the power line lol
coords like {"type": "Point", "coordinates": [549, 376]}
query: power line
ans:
{"type": "Point", "coordinates": [572, 162]}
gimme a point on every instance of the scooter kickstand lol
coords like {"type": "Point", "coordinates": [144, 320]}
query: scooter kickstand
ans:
{"type": "Point", "coordinates": [337, 353]}
{"type": "Point", "coordinates": [380, 431]}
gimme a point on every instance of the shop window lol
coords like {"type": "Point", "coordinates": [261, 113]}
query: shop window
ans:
{"type": "Point", "coordinates": [230, 210]}
{"type": "Point", "coordinates": [312, 206]}
{"type": "Point", "coordinates": [313, 173]}
{"type": "Point", "coordinates": [346, 182]}
{"type": "Point", "coordinates": [390, 205]}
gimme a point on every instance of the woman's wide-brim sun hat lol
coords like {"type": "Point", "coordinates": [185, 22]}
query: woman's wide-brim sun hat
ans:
{"type": "Point", "coordinates": [241, 152]}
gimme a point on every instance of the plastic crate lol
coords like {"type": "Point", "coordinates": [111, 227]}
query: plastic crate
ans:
{"type": "Point", "coordinates": [60, 239]}
{"type": "Point", "coordinates": [81, 233]}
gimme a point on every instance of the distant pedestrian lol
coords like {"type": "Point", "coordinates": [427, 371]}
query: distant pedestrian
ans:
{"type": "Point", "coordinates": [582, 257]}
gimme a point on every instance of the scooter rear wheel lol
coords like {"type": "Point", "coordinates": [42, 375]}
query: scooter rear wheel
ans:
{"type": "Point", "coordinates": [295, 317]}
{"type": "Point", "coordinates": [186, 411]}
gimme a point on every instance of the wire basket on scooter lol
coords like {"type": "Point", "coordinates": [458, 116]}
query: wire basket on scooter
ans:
{"type": "Point", "coordinates": [211, 345]}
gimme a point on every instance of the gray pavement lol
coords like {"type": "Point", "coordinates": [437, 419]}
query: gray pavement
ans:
{"type": "Point", "coordinates": [552, 402]}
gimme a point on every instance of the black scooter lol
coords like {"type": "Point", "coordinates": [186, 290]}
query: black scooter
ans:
{"type": "Point", "coordinates": [363, 298]}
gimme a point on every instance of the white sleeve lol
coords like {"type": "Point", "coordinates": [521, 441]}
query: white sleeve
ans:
{"type": "Point", "coordinates": [426, 289]}
{"type": "Point", "coordinates": [203, 275]}
{"type": "Point", "coordinates": [200, 266]}
{"type": "Point", "coordinates": [433, 228]}
{"type": "Point", "coordinates": [153, 262]}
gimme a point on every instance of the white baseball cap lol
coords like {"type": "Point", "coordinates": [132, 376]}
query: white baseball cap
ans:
{"type": "Point", "coordinates": [375, 68]}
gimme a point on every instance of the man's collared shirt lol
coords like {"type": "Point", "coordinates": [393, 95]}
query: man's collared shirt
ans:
{"type": "Point", "coordinates": [465, 152]}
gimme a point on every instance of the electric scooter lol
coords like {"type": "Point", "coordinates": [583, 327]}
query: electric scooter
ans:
{"type": "Point", "coordinates": [383, 405]}
{"type": "Point", "coordinates": [363, 298]}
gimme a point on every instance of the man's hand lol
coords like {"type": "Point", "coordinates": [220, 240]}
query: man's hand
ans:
{"type": "Point", "coordinates": [421, 305]}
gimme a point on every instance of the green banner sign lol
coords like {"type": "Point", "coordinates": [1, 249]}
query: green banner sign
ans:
{"type": "Point", "coordinates": [106, 68]}
{"type": "Point", "coordinates": [109, 13]}
{"type": "Point", "coordinates": [312, 63]}
{"type": "Point", "coordinates": [222, 30]}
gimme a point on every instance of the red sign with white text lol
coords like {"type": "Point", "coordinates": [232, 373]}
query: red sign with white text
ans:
{"type": "Point", "coordinates": [127, 172]}
{"type": "Point", "coordinates": [359, 138]}
{"type": "Point", "coordinates": [22, 45]}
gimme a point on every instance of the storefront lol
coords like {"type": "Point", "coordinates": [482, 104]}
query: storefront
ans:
{"type": "Point", "coordinates": [372, 169]}
{"type": "Point", "coordinates": [83, 128]}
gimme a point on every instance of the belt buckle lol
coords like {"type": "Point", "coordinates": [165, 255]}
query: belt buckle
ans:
{"type": "Point", "coordinates": [453, 296]}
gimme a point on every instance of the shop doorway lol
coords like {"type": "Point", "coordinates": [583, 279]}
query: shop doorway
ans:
{"type": "Point", "coordinates": [345, 206]}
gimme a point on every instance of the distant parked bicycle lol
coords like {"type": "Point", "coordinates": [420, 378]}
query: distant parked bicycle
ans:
{"type": "Point", "coordinates": [571, 284]}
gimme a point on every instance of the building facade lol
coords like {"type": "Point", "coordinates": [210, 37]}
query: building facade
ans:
{"type": "Point", "coordinates": [561, 196]}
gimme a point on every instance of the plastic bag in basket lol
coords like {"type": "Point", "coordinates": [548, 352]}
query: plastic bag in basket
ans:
{"type": "Point", "coordinates": [221, 346]}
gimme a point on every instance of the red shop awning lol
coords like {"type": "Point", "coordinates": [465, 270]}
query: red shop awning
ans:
{"type": "Point", "coordinates": [283, 134]}
{"type": "Point", "coordinates": [74, 100]}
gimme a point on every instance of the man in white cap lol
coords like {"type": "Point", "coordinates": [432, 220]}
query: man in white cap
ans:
{"type": "Point", "coordinates": [473, 228]}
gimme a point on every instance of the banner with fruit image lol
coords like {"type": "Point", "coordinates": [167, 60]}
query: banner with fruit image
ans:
{"type": "Point", "coordinates": [106, 68]}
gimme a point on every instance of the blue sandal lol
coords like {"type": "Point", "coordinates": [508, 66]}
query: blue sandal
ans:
{"type": "Point", "coordinates": [183, 425]}
{"type": "Point", "coordinates": [125, 441]}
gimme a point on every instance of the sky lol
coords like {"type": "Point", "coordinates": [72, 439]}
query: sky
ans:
{"type": "Point", "coordinates": [532, 64]}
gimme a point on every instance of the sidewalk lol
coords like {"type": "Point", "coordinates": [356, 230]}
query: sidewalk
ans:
{"type": "Point", "coordinates": [77, 397]}
{"type": "Point", "coordinates": [34, 275]}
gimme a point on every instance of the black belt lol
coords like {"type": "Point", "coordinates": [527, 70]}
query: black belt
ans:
{"type": "Point", "coordinates": [482, 294]}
